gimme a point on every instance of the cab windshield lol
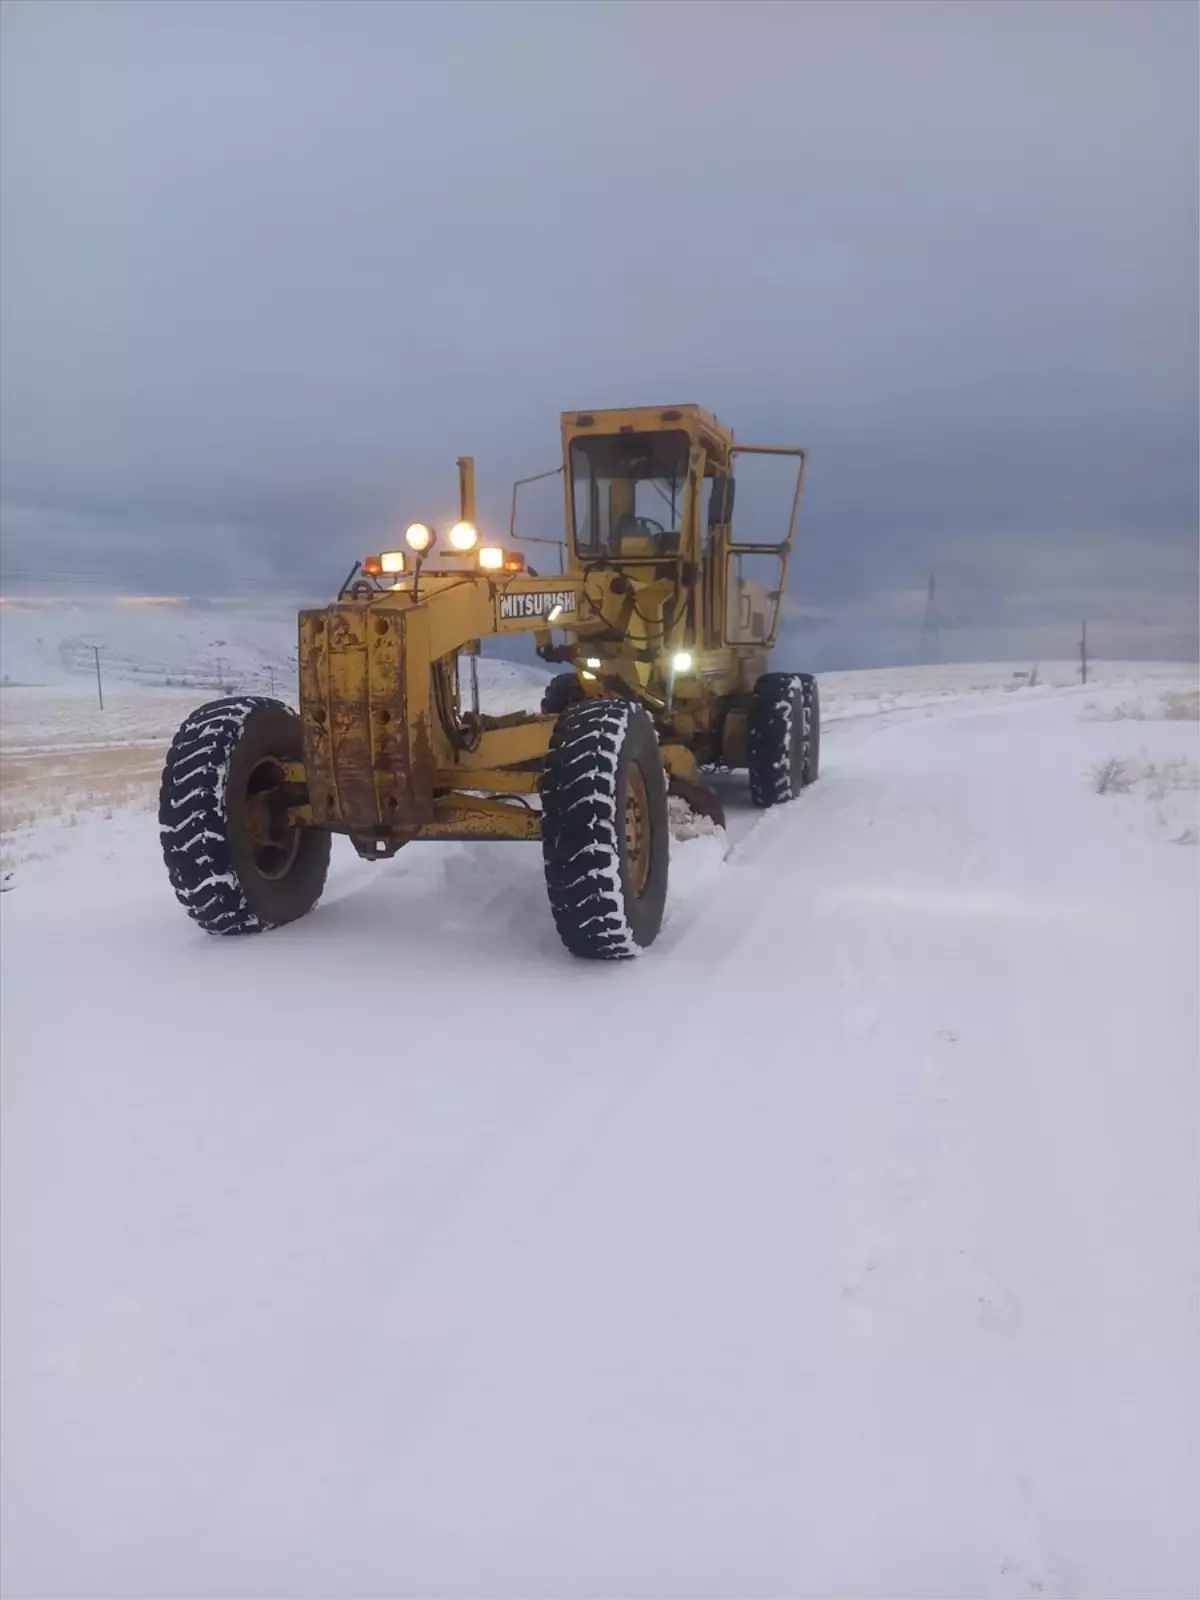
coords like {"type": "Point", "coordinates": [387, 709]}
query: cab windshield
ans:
{"type": "Point", "coordinates": [628, 493]}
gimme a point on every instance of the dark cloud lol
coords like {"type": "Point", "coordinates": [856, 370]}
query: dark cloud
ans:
{"type": "Point", "coordinates": [268, 267]}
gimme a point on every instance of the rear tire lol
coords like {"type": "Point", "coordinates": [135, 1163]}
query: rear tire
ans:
{"type": "Point", "coordinates": [234, 864]}
{"type": "Point", "coordinates": [562, 691]}
{"type": "Point", "coordinates": [605, 835]}
{"type": "Point", "coordinates": [780, 752]}
{"type": "Point", "coordinates": [810, 695]}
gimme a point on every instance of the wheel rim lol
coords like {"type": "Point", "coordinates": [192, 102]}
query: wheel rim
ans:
{"type": "Point", "coordinates": [274, 844]}
{"type": "Point", "coordinates": [637, 829]}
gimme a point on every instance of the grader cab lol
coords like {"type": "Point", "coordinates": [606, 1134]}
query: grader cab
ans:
{"type": "Point", "coordinates": [663, 615]}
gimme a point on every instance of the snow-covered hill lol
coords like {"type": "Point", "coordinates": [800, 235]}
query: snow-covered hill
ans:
{"type": "Point", "coordinates": [158, 660]}
{"type": "Point", "coordinates": [212, 646]}
{"type": "Point", "coordinates": [150, 642]}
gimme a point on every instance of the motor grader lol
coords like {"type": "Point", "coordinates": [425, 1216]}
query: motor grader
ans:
{"type": "Point", "coordinates": [663, 622]}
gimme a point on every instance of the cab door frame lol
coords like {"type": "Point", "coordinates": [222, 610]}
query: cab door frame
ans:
{"type": "Point", "coordinates": [781, 549]}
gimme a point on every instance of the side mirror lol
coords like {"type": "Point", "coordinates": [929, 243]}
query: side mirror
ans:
{"type": "Point", "coordinates": [720, 505]}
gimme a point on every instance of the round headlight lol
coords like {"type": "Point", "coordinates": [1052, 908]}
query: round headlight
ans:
{"type": "Point", "coordinates": [419, 536]}
{"type": "Point", "coordinates": [682, 661]}
{"type": "Point", "coordinates": [463, 536]}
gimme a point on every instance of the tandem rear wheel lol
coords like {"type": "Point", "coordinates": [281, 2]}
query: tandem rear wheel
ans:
{"type": "Point", "coordinates": [783, 737]}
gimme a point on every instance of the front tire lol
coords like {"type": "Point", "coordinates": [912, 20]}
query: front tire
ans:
{"type": "Point", "coordinates": [235, 864]}
{"type": "Point", "coordinates": [605, 835]}
{"type": "Point", "coordinates": [782, 737]}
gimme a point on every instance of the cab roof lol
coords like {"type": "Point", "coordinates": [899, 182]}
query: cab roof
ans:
{"type": "Point", "coordinates": [647, 419]}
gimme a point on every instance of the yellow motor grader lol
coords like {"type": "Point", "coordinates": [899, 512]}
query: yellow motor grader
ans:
{"type": "Point", "coordinates": [664, 617]}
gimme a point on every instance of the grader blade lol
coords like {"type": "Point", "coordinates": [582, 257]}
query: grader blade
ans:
{"type": "Point", "coordinates": [698, 798]}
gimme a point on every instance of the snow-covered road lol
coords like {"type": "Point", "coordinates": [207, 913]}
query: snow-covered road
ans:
{"type": "Point", "coordinates": [845, 1244]}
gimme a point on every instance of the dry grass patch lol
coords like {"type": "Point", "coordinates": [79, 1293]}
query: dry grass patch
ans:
{"type": "Point", "coordinates": [37, 791]}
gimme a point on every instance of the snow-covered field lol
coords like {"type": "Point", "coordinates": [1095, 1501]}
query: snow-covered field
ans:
{"type": "Point", "coordinates": [843, 1245]}
{"type": "Point", "coordinates": [152, 642]}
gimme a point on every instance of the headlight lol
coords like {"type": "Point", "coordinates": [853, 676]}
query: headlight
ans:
{"type": "Point", "coordinates": [594, 662]}
{"type": "Point", "coordinates": [392, 561]}
{"type": "Point", "coordinates": [463, 536]}
{"type": "Point", "coordinates": [491, 557]}
{"type": "Point", "coordinates": [418, 537]}
{"type": "Point", "coordinates": [682, 661]}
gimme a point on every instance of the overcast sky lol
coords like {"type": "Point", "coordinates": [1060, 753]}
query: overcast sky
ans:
{"type": "Point", "coordinates": [265, 269]}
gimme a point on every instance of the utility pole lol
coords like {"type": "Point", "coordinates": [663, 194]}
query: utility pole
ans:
{"type": "Point", "coordinates": [931, 645]}
{"type": "Point", "coordinates": [99, 685]}
{"type": "Point", "coordinates": [1083, 655]}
